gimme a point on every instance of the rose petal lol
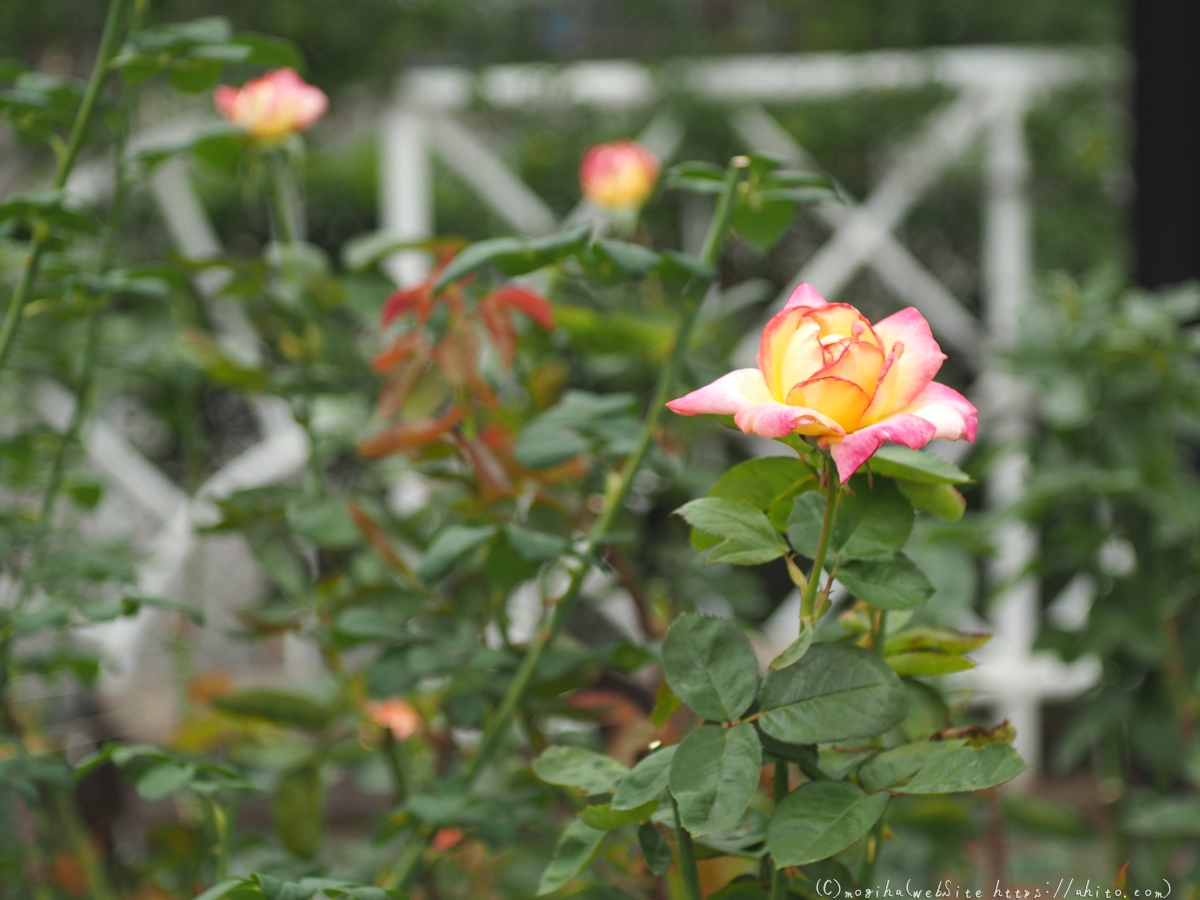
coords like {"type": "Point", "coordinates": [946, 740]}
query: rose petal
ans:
{"type": "Point", "coordinates": [776, 420]}
{"type": "Point", "coordinates": [841, 320]}
{"type": "Point", "coordinates": [952, 414]}
{"type": "Point", "coordinates": [854, 449]}
{"type": "Point", "coordinates": [839, 399]}
{"type": "Point", "coordinates": [915, 362]}
{"type": "Point", "coordinates": [858, 362]}
{"type": "Point", "coordinates": [804, 296]}
{"type": "Point", "coordinates": [726, 396]}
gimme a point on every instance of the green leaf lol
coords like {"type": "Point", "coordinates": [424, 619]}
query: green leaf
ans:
{"type": "Point", "coordinates": [450, 546]}
{"type": "Point", "coordinates": [710, 666]}
{"type": "Point", "coordinates": [277, 889]}
{"type": "Point", "coordinates": [606, 817]}
{"type": "Point", "coordinates": [749, 537]}
{"type": "Point", "coordinates": [278, 707]}
{"type": "Point", "coordinates": [796, 650]}
{"type": "Point", "coordinates": [591, 772]}
{"type": "Point", "coordinates": [665, 704]}
{"type": "Point", "coordinates": [819, 819]}
{"type": "Point", "coordinates": [298, 810]}
{"type": "Point", "coordinates": [325, 522]}
{"type": "Point", "coordinates": [940, 640]}
{"type": "Point", "coordinates": [893, 766]}
{"type": "Point", "coordinates": [632, 259]}
{"type": "Point", "coordinates": [195, 76]}
{"type": "Point", "coordinates": [805, 522]}
{"type": "Point", "coordinates": [1165, 818]}
{"type": "Point", "coordinates": [871, 521]}
{"type": "Point", "coordinates": [696, 177]}
{"type": "Point", "coordinates": [389, 675]}
{"type": "Point", "coordinates": [767, 483]}
{"type": "Point", "coordinates": [895, 461]}
{"type": "Point", "coordinates": [222, 889]}
{"type": "Point", "coordinates": [515, 256]}
{"type": "Point", "coordinates": [714, 775]}
{"type": "Point", "coordinates": [891, 582]}
{"type": "Point", "coordinates": [646, 780]}
{"type": "Point", "coordinates": [163, 780]}
{"type": "Point", "coordinates": [926, 663]}
{"type": "Point", "coordinates": [655, 848]}
{"type": "Point", "coordinates": [834, 693]}
{"type": "Point", "coordinates": [577, 847]}
{"type": "Point", "coordinates": [268, 50]}
{"type": "Point", "coordinates": [967, 769]}
{"type": "Point", "coordinates": [801, 753]}
{"type": "Point", "coordinates": [762, 224]}
{"type": "Point", "coordinates": [943, 500]}
{"type": "Point", "coordinates": [535, 546]}
{"type": "Point", "coordinates": [364, 251]}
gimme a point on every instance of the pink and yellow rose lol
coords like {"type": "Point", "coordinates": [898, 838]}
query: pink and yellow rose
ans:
{"type": "Point", "coordinates": [272, 107]}
{"type": "Point", "coordinates": [826, 372]}
{"type": "Point", "coordinates": [618, 176]}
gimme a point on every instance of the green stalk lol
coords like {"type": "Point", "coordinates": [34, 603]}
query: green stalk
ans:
{"type": "Point", "coordinates": [83, 118]}
{"type": "Point", "coordinates": [397, 758]}
{"type": "Point", "coordinates": [832, 488]}
{"type": "Point", "coordinates": [693, 294]}
{"type": "Point", "coordinates": [687, 858]}
{"type": "Point", "coordinates": [221, 825]}
{"type": "Point", "coordinates": [779, 879]}
{"type": "Point", "coordinates": [281, 194]}
{"type": "Point", "coordinates": [598, 534]}
{"type": "Point", "coordinates": [287, 229]}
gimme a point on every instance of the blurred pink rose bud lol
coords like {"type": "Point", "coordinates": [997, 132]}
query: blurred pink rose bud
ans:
{"type": "Point", "coordinates": [618, 175]}
{"type": "Point", "coordinates": [272, 107]}
{"type": "Point", "coordinates": [398, 716]}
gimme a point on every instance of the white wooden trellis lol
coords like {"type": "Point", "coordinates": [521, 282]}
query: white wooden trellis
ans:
{"type": "Point", "coordinates": [994, 88]}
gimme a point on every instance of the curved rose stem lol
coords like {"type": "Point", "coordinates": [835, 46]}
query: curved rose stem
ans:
{"type": "Point", "coordinates": [66, 161]}
{"type": "Point", "coordinates": [693, 294]}
{"type": "Point", "coordinates": [832, 490]}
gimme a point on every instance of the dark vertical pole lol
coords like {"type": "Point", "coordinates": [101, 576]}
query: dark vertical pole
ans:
{"type": "Point", "coordinates": [1166, 156]}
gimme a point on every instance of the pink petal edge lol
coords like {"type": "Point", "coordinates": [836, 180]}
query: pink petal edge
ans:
{"type": "Point", "coordinates": [726, 396]}
{"type": "Point", "coordinates": [855, 449]}
{"type": "Point", "coordinates": [805, 295]}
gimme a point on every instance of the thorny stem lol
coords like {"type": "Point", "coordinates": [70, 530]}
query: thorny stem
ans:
{"type": "Point", "coordinates": [832, 489]}
{"type": "Point", "coordinates": [83, 117]}
{"type": "Point", "coordinates": [693, 293]}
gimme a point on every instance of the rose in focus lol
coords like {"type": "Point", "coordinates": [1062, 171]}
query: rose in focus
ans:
{"type": "Point", "coordinates": [618, 176]}
{"type": "Point", "coordinates": [824, 371]}
{"type": "Point", "coordinates": [272, 107]}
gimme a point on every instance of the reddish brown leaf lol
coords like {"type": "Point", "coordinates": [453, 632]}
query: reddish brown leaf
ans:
{"type": "Point", "coordinates": [409, 433]}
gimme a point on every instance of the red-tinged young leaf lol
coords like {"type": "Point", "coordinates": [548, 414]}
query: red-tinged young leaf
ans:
{"type": "Point", "coordinates": [418, 300]}
{"type": "Point", "coordinates": [407, 434]}
{"type": "Point", "coordinates": [533, 306]}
